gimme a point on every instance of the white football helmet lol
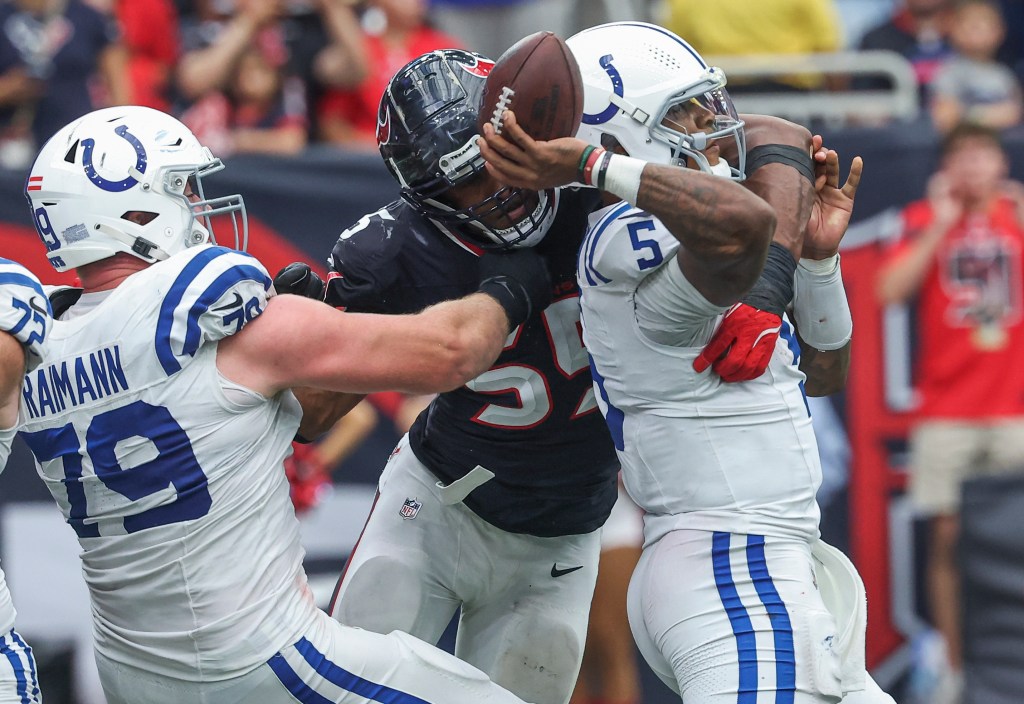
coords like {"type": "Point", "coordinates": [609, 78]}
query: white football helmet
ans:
{"type": "Point", "coordinates": [116, 180]}
{"type": "Point", "coordinates": [634, 75]}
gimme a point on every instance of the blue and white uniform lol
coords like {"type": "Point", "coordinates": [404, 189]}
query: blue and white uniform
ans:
{"type": "Point", "coordinates": [724, 602]}
{"type": "Point", "coordinates": [171, 476]}
{"type": "Point", "coordinates": [25, 314]}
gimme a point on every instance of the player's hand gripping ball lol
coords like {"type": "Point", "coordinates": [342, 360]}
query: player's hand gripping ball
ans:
{"type": "Point", "coordinates": [539, 79]}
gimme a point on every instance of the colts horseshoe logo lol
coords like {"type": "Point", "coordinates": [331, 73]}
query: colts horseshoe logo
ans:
{"type": "Point", "coordinates": [609, 112]}
{"type": "Point", "coordinates": [125, 183]}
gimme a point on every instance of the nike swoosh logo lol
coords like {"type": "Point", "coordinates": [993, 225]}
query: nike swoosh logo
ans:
{"type": "Point", "coordinates": [234, 303]}
{"type": "Point", "coordinates": [35, 306]}
{"type": "Point", "coordinates": [555, 572]}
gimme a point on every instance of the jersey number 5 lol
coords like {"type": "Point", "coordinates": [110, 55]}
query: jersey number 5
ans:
{"type": "Point", "coordinates": [561, 321]}
{"type": "Point", "coordinates": [174, 471]}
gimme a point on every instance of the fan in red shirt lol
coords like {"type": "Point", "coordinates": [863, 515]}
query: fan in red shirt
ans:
{"type": "Point", "coordinates": [962, 257]}
{"type": "Point", "coordinates": [395, 33]}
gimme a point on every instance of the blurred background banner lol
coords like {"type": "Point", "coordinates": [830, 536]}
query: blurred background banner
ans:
{"type": "Point", "coordinates": [993, 570]}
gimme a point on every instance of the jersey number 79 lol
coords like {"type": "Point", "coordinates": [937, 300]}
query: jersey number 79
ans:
{"type": "Point", "coordinates": [174, 470]}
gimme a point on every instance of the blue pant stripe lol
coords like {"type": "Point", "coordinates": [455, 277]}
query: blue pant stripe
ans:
{"type": "Point", "coordinates": [782, 627]}
{"type": "Point", "coordinates": [31, 663]}
{"type": "Point", "coordinates": [742, 628]}
{"type": "Point", "coordinates": [293, 683]}
{"type": "Point", "coordinates": [19, 669]}
{"type": "Point", "coordinates": [353, 683]}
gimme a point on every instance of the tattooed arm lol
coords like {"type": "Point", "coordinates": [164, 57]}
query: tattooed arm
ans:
{"type": "Point", "coordinates": [723, 227]}
{"type": "Point", "coordinates": [826, 371]}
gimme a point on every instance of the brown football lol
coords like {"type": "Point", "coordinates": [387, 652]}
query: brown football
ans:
{"type": "Point", "coordinates": [539, 79]}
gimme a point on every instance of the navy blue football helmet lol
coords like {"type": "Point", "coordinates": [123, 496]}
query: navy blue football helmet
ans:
{"type": "Point", "coordinates": [427, 135]}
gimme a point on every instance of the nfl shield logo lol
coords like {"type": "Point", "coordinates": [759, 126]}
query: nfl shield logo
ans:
{"type": "Point", "coordinates": [410, 508]}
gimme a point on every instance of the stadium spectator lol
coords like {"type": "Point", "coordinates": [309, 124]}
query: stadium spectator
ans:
{"type": "Point", "coordinates": [150, 30]}
{"type": "Point", "coordinates": [918, 31]}
{"type": "Point", "coordinates": [489, 27]}
{"type": "Point", "coordinates": [395, 32]}
{"type": "Point", "coordinates": [759, 27]}
{"type": "Point", "coordinates": [973, 85]}
{"type": "Point", "coordinates": [961, 258]}
{"type": "Point", "coordinates": [150, 35]}
{"type": "Point", "coordinates": [263, 109]}
{"type": "Point", "coordinates": [320, 48]}
{"type": "Point", "coordinates": [50, 53]}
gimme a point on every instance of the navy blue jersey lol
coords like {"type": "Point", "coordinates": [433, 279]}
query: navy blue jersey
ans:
{"type": "Point", "coordinates": [532, 418]}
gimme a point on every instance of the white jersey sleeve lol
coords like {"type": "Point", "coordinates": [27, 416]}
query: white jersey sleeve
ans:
{"type": "Point", "coordinates": [629, 251]}
{"type": "Point", "coordinates": [25, 310]}
{"type": "Point", "coordinates": [215, 295]}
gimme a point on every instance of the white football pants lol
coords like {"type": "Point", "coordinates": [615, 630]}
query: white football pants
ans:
{"type": "Point", "coordinates": [18, 683]}
{"type": "Point", "coordinates": [525, 600]}
{"type": "Point", "coordinates": [738, 619]}
{"type": "Point", "coordinates": [331, 663]}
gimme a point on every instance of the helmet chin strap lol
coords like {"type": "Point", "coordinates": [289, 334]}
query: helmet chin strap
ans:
{"type": "Point", "coordinates": [139, 246]}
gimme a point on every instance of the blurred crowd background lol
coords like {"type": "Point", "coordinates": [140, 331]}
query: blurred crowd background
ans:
{"type": "Point", "coordinates": [929, 91]}
{"type": "Point", "coordinates": [272, 76]}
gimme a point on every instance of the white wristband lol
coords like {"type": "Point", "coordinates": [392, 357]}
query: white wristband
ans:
{"type": "Point", "coordinates": [820, 308]}
{"type": "Point", "coordinates": [621, 177]}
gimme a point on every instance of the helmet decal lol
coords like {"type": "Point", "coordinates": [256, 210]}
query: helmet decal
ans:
{"type": "Point", "coordinates": [616, 79]}
{"type": "Point", "coordinates": [383, 124]}
{"type": "Point", "coordinates": [480, 67]}
{"type": "Point", "coordinates": [127, 182]}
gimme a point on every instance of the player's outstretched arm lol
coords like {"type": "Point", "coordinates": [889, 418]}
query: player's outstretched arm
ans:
{"type": "Point", "coordinates": [723, 227]}
{"type": "Point", "coordinates": [300, 342]}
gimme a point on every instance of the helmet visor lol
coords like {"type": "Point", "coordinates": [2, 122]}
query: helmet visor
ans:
{"type": "Point", "coordinates": [700, 124]}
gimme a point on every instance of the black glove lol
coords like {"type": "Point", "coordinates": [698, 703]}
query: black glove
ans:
{"type": "Point", "coordinates": [298, 279]}
{"type": "Point", "coordinates": [518, 279]}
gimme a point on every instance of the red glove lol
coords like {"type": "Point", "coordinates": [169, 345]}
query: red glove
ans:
{"type": "Point", "coordinates": [307, 476]}
{"type": "Point", "coordinates": [743, 344]}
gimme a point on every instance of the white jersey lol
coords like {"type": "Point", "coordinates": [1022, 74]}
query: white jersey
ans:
{"type": "Point", "coordinates": [170, 474]}
{"type": "Point", "coordinates": [696, 452]}
{"type": "Point", "coordinates": [24, 313]}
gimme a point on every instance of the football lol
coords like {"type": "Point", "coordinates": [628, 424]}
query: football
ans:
{"type": "Point", "coordinates": [539, 79]}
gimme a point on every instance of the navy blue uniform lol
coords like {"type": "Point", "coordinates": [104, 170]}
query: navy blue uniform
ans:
{"type": "Point", "coordinates": [531, 419]}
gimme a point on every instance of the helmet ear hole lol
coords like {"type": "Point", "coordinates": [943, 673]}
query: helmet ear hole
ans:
{"type": "Point", "coordinates": [139, 217]}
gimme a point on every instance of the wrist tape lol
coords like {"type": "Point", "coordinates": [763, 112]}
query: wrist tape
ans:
{"type": "Point", "coordinates": [620, 175]}
{"type": "Point", "coordinates": [820, 308]}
